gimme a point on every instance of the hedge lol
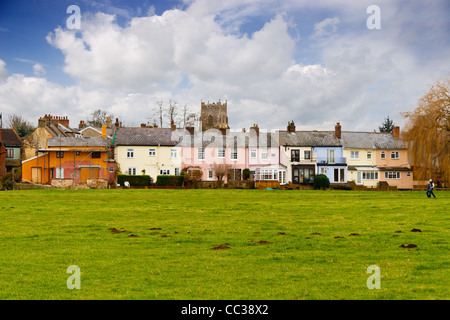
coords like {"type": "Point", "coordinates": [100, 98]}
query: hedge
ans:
{"type": "Point", "coordinates": [142, 180]}
{"type": "Point", "coordinates": [321, 181]}
{"type": "Point", "coordinates": [167, 180]}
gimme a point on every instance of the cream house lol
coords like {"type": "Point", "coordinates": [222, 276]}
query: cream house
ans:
{"type": "Point", "coordinates": [149, 151]}
{"type": "Point", "coordinates": [360, 152]}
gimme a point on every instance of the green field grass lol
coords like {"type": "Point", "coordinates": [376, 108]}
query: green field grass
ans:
{"type": "Point", "coordinates": [283, 245]}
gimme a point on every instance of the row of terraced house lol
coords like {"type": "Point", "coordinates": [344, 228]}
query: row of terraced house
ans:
{"type": "Point", "coordinates": [55, 152]}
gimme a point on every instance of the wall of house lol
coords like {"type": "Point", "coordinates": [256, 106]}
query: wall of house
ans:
{"type": "Point", "coordinates": [37, 138]}
{"type": "Point", "coordinates": [404, 182]}
{"type": "Point", "coordinates": [363, 162]}
{"type": "Point", "coordinates": [285, 159]}
{"type": "Point", "coordinates": [142, 160]}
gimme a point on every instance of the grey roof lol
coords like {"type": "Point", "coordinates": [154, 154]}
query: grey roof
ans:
{"type": "Point", "coordinates": [146, 137]}
{"type": "Point", "coordinates": [370, 140]}
{"type": "Point", "coordinates": [309, 139]}
{"type": "Point", "coordinates": [77, 142]}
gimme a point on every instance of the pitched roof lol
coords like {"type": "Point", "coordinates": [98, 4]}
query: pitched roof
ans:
{"type": "Point", "coordinates": [371, 140]}
{"type": "Point", "coordinates": [77, 142]}
{"type": "Point", "coordinates": [10, 138]}
{"type": "Point", "coordinates": [146, 137]}
{"type": "Point", "coordinates": [309, 139]}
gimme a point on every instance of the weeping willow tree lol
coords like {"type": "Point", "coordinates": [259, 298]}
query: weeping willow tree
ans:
{"type": "Point", "coordinates": [427, 134]}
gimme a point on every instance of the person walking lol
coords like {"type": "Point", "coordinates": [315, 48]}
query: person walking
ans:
{"type": "Point", "coordinates": [430, 188]}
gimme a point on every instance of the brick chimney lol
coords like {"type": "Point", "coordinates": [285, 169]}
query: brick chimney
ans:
{"type": "Point", "coordinates": [117, 124]}
{"type": "Point", "coordinates": [82, 125]}
{"type": "Point", "coordinates": [109, 122]}
{"type": "Point", "coordinates": [64, 121]}
{"type": "Point", "coordinates": [337, 130]}
{"type": "Point", "coordinates": [291, 126]}
{"type": "Point", "coordinates": [173, 126]}
{"type": "Point", "coordinates": [396, 132]}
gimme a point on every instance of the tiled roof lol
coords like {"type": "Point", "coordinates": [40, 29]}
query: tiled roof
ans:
{"type": "Point", "coordinates": [145, 137]}
{"type": "Point", "coordinates": [309, 139]}
{"type": "Point", "coordinates": [231, 139]}
{"type": "Point", "coordinates": [10, 138]}
{"type": "Point", "coordinates": [371, 140]}
{"type": "Point", "coordinates": [77, 142]}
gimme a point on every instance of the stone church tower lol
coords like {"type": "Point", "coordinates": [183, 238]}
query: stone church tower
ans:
{"type": "Point", "coordinates": [214, 115]}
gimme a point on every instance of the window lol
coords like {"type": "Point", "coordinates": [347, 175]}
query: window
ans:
{"type": "Point", "coordinates": [177, 171]}
{"type": "Point", "coordinates": [295, 155]}
{"type": "Point", "coordinates": [395, 155]}
{"type": "Point", "coordinates": [264, 154]}
{"type": "Point", "coordinates": [60, 154]}
{"type": "Point", "coordinates": [392, 175]}
{"type": "Point", "coordinates": [354, 154]}
{"type": "Point", "coordinates": [408, 174]}
{"type": "Point", "coordinates": [253, 154]}
{"type": "Point", "coordinates": [201, 153]}
{"type": "Point", "coordinates": [131, 171]}
{"type": "Point", "coordinates": [370, 175]}
{"type": "Point", "coordinates": [9, 153]}
{"type": "Point", "coordinates": [383, 155]}
{"type": "Point", "coordinates": [330, 155]}
{"type": "Point", "coordinates": [96, 155]}
{"type": "Point", "coordinates": [152, 152]}
{"type": "Point", "coordinates": [234, 154]}
{"type": "Point", "coordinates": [221, 153]}
{"type": "Point", "coordinates": [77, 153]}
{"type": "Point", "coordinates": [130, 153]}
{"type": "Point", "coordinates": [307, 154]}
{"type": "Point", "coordinates": [210, 174]}
{"type": "Point", "coordinates": [164, 172]}
{"type": "Point", "coordinates": [369, 155]}
{"type": "Point", "coordinates": [111, 169]}
{"type": "Point", "coordinates": [342, 175]}
{"type": "Point", "coordinates": [273, 155]}
{"type": "Point", "coordinates": [173, 153]}
{"type": "Point", "coordinates": [323, 171]}
{"type": "Point", "coordinates": [59, 173]}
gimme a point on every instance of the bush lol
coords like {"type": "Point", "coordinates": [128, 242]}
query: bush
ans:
{"type": "Point", "coordinates": [138, 181]}
{"type": "Point", "coordinates": [246, 174]}
{"type": "Point", "coordinates": [321, 181]}
{"type": "Point", "coordinates": [7, 182]}
{"type": "Point", "coordinates": [169, 180]}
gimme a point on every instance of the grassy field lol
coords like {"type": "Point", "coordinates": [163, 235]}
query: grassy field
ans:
{"type": "Point", "coordinates": [282, 245]}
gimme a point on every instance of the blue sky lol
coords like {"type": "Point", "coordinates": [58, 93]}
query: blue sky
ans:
{"type": "Point", "coordinates": [314, 62]}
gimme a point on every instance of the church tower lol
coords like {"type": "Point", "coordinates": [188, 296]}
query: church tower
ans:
{"type": "Point", "coordinates": [214, 116]}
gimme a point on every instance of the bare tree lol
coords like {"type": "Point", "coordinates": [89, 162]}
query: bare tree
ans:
{"type": "Point", "coordinates": [220, 171]}
{"type": "Point", "coordinates": [20, 125]}
{"type": "Point", "coordinates": [98, 118]}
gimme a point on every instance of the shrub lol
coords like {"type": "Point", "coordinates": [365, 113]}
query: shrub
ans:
{"type": "Point", "coordinates": [139, 181]}
{"type": "Point", "coordinates": [246, 174]}
{"type": "Point", "coordinates": [321, 181]}
{"type": "Point", "coordinates": [169, 180]}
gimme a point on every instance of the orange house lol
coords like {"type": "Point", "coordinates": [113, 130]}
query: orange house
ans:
{"type": "Point", "coordinates": [393, 161]}
{"type": "Point", "coordinates": [77, 159]}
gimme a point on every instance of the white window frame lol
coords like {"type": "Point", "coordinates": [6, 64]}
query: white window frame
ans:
{"type": "Point", "coordinates": [9, 153]}
{"type": "Point", "coordinates": [177, 171]}
{"type": "Point", "coordinates": [395, 155]}
{"type": "Point", "coordinates": [264, 154]}
{"type": "Point", "coordinates": [253, 154]}
{"type": "Point", "coordinates": [152, 152]}
{"type": "Point", "coordinates": [307, 157]}
{"type": "Point", "coordinates": [210, 174]}
{"type": "Point", "coordinates": [132, 171]}
{"type": "Point", "coordinates": [130, 153]}
{"type": "Point", "coordinates": [173, 153]}
{"type": "Point", "coordinates": [59, 173]}
{"type": "Point", "coordinates": [221, 153]}
{"type": "Point", "coordinates": [392, 175]}
{"type": "Point", "coordinates": [369, 155]}
{"type": "Point", "coordinates": [354, 155]}
{"type": "Point", "coordinates": [383, 155]}
{"type": "Point", "coordinates": [164, 172]}
{"type": "Point", "coordinates": [369, 175]}
{"type": "Point", "coordinates": [201, 153]}
{"type": "Point", "coordinates": [234, 154]}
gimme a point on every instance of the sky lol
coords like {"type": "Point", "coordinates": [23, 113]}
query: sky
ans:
{"type": "Point", "coordinates": [314, 62]}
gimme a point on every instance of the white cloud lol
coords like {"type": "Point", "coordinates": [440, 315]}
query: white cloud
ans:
{"type": "Point", "coordinates": [358, 76]}
{"type": "Point", "coordinates": [38, 70]}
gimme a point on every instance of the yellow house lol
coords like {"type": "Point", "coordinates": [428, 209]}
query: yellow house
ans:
{"type": "Point", "coordinates": [360, 152]}
{"type": "Point", "coordinates": [149, 151]}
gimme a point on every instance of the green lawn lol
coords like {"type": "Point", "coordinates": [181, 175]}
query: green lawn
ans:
{"type": "Point", "coordinates": [282, 244]}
